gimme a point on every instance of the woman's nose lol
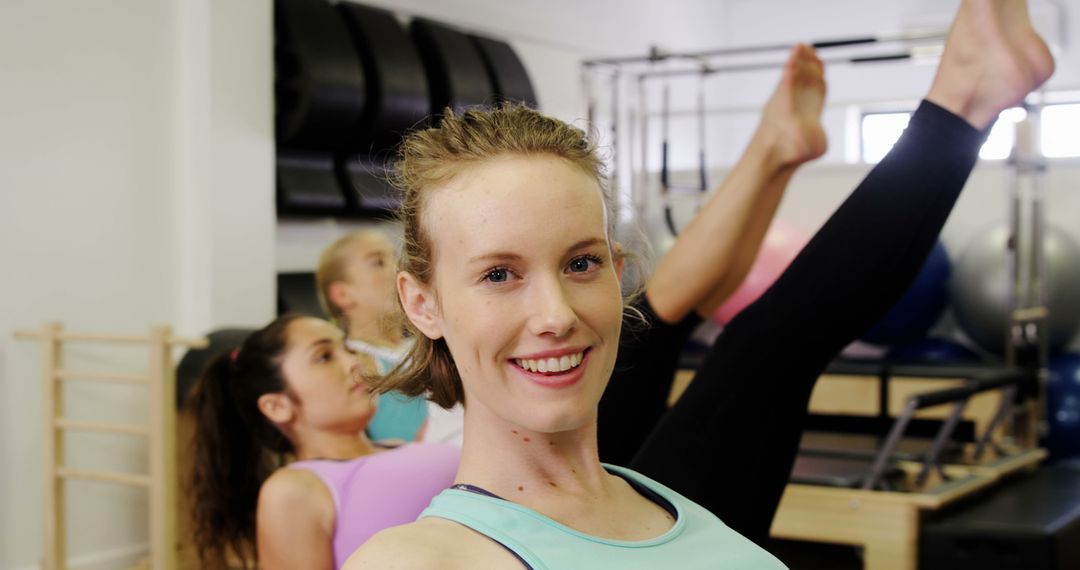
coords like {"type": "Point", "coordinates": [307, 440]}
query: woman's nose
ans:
{"type": "Point", "coordinates": [352, 364]}
{"type": "Point", "coordinates": [552, 310]}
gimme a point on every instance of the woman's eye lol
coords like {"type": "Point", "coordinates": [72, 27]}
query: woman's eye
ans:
{"type": "Point", "coordinates": [583, 263]}
{"type": "Point", "coordinates": [497, 275]}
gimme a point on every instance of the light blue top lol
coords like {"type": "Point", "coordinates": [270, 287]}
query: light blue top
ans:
{"type": "Point", "coordinates": [698, 540]}
{"type": "Point", "coordinates": [397, 415]}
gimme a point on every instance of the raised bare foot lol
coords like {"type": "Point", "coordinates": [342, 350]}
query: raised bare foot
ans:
{"type": "Point", "coordinates": [993, 58]}
{"type": "Point", "coordinates": [791, 121]}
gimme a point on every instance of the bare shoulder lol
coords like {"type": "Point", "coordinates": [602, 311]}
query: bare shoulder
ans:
{"type": "Point", "coordinates": [292, 493]}
{"type": "Point", "coordinates": [294, 521]}
{"type": "Point", "coordinates": [416, 545]}
{"type": "Point", "coordinates": [430, 543]}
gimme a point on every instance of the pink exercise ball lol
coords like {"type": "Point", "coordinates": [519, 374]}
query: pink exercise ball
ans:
{"type": "Point", "coordinates": [783, 242]}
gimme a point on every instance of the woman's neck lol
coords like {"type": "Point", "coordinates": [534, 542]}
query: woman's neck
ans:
{"type": "Point", "coordinates": [376, 332]}
{"type": "Point", "coordinates": [559, 476]}
{"type": "Point", "coordinates": [533, 466]}
{"type": "Point", "coordinates": [333, 445]}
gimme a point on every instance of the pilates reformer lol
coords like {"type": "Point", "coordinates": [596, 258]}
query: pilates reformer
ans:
{"type": "Point", "coordinates": [875, 499]}
{"type": "Point", "coordinates": [871, 490]}
{"type": "Point", "coordinates": [931, 456]}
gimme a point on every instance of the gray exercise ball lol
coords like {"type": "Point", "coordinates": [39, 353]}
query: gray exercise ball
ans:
{"type": "Point", "coordinates": [978, 287]}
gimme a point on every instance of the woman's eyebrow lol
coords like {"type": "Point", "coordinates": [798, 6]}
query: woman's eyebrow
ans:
{"type": "Point", "coordinates": [587, 243]}
{"type": "Point", "coordinates": [511, 256]}
{"type": "Point", "coordinates": [319, 343]}
{"type": "Point", "coordinates": [496, 256]}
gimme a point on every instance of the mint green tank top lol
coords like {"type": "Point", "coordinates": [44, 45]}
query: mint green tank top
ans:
{"type": "Point", "coordinates": [397, 416]}
{"type": "Point", "coordinates": [698, 540]}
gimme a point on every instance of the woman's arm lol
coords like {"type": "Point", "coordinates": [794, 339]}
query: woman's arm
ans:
{"type": "Point", "coordinates": [294, 523]}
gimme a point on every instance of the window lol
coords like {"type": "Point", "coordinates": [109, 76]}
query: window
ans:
{"type": "Point", "coordinates": [879, 134]}
{"type": "Point", "coordinates": [1002, 136]}
{"type": "Point", "coordinates": [1060, 124]}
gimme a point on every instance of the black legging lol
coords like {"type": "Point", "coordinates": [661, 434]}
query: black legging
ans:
{"type": "Point", "coordinates": [747, 405]}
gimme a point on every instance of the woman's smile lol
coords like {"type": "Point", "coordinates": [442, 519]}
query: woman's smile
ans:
{"type": "Point", "coordinates": [553, 368]}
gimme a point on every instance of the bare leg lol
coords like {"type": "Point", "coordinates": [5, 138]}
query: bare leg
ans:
{"type": "Point", "coordinates": [791, 121]}
{"type": "Point", "coordinates": [715, 251]}
{"type": "Point", "coordinates": [792, 117]}
{"type": "Point", "coordinates": [993, 58]}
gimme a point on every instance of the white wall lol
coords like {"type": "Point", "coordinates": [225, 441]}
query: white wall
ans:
{"type": "Point", "coordinates": [136, 157]}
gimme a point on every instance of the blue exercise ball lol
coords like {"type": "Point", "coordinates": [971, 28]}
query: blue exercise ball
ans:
{"type": "Point", "coordinates": [1063, 406]}
{"type": "Point", "coordinates": [920, 307]}
{"type": "Point", "coordinates": [932, 350]}
{"type": "Point", "coordinates": [979, 288]}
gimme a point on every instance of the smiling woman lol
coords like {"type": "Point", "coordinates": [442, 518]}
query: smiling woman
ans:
{"type": "Point", "coordinates": [480, 146]}
{"type": "Point", "coordinates": [527, 288]}
{"type": "Point", "coordinates": [509, 267]}
{"type": "Point", "coordinates": [511, 284]}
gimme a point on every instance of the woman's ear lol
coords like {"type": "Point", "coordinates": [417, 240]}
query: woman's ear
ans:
{"type": "Point", "coordinates": [420, 305]}
{"type": "Point", "coordinates": [339, 295]}
{"type": "Point", "coordinates": [277, 407]}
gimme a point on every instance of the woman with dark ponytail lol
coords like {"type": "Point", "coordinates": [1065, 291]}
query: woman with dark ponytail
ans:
{"type": "Point", "coordinates": [283, 471]}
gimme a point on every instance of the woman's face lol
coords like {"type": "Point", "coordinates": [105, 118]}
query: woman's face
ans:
{"type": "Point", "coordinates": [369, 274]}
{"type": "Point", "coordinates": [526, 292]}
{"type": "Point", "coordinates": [326, 378]}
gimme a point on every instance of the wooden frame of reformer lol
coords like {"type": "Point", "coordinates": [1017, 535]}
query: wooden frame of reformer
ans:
{"type": "Point", "coordinates": [885, 524]}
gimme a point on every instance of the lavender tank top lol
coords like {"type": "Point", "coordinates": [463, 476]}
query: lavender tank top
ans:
{"type": "Point", "coordinates": [379, 491]}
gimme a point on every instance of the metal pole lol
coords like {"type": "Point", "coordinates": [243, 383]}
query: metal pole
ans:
{"type": "Point", "coordinates": [659, 55]}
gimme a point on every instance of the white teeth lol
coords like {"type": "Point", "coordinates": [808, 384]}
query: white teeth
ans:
{"type": "Point", "coordinates": [561, 364]}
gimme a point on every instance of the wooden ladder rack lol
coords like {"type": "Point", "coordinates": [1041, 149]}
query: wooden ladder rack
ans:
{"type": "Point", "coordinates": [160, 432]}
